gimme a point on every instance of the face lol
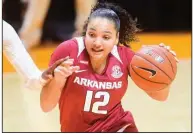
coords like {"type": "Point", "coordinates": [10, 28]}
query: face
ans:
{"type": "Point", "coordinates": [101, 36]}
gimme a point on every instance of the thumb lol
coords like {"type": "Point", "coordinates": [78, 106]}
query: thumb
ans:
{"type": "Point", "coordinates": [57, 63]}
{"type": "Point", "coordinates": [51, 69]}
{"type": "Point", "coordinates": [44, 80]}
{"type": "Point", "coordinates": [48, 77]}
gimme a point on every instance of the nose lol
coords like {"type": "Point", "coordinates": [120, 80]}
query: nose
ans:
{"type": "Point", "coordinates": [97, 42]}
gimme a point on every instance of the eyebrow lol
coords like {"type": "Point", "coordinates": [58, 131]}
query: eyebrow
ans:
{"type": "Point", "coordinates": [92, 29]}
{"type": "Point", "coordinates": [104, 31]}
{"type": "Point", "coordinates": [108, 32]}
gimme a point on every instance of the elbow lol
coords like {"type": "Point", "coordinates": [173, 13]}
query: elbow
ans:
{"type": "Point", "coordinates": [48, 99]}
{"type": "Point", "coordinates": [45, 104]}
{"type": "Point", "coordinates": [45, 110]}
{"type": "Point", "coordinates": [45, 107]}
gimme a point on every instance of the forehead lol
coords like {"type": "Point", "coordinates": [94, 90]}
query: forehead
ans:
{"type": "Point", "coordinates": [100, 23]}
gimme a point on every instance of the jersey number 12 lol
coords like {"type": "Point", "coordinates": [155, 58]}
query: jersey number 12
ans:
{"type": "Point", "coordinates": [96, 105]}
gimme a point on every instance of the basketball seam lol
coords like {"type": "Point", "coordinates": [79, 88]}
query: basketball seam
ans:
{"type": "Point", "coordinates": [168, 60]}
{"type": "Point", "coordinates": [154, 65]}
{"type": "Point", "coordinates": [165, 56]}
{"type": "Point", "coordinates": [147, 79]}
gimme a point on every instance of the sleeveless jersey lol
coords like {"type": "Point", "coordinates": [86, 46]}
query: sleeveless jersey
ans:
{"type": "Point", "coordinates": [91, 102]}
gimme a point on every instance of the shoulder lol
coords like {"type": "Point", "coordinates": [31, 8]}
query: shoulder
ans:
{"type": "Point", "coordinates": [125, 50]}
{"type": "Point", "coordinates": [125, 53]}
{"type": "Point", "coordinates": [69, 44]}
{"type": "Point", "coordinates": [66, 48]}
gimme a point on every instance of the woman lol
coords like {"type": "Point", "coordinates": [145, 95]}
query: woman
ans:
{"type": "Point", "coordinates": [89, 86]}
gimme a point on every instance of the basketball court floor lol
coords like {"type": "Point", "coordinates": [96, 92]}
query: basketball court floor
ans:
{"type": "Point", "coordinates": [22, 113]}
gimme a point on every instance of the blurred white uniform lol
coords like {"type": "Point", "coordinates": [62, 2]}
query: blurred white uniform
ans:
{"type": "Point", "coordinates": [18, 56]}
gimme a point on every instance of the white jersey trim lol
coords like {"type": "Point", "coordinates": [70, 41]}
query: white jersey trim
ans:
{"type": "Point", "coordinates": [115, 53]}
{"type": "Point", "coordinates": [123, 128]}
{"type": "Point", "coordinates": [81, 46]}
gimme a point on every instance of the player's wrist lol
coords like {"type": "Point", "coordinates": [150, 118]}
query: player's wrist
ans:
{"type": "Point", "coordinates": [60, 79]}
{"type": "Point", "coordinates": [58, 83]}
{"type": "Point", "coordinates": [42, 81]}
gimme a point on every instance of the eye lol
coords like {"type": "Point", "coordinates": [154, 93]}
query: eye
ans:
{"type": "Point", "coordinates": [106, 37]}
{"type": "Point", "coordinates": [91, 34]}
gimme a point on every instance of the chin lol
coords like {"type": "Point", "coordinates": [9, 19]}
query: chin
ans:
{"type": "Point", "coordinates": [96, 56]}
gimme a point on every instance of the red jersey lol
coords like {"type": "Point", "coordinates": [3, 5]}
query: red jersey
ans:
{"type": "Point", "coordinates": [91, 102]}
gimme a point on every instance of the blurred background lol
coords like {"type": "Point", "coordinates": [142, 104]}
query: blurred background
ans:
{"type": "Point", "coordinates": [43, 24]}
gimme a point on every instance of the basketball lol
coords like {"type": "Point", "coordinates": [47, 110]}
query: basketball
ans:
{"type": "Point", "coordinates": [153, 68]}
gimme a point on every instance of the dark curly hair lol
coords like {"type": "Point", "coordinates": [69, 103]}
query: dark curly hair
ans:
{"type": "Point", "coordinates": [125, 25]}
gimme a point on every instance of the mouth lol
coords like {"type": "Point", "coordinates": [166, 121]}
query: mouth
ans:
{"type": "Point", "coordinates": [97, 50]}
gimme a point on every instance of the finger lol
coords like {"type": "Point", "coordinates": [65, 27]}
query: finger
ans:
{"type": "Point", "coordinates": [48, 77]}
{"type": "Point", "coordinates": [173, 52]}
{"type": "Point", "coordinates": [65, 71]}
{"type": "Point", "coordinates": [59, 71]}
{"type": "Point", "coordinates": [45, 80]}
{"type": "Point", "coordinates": [57, 63]}
{"type": "Point", "coordinates": [67, 63]}
{"type": "Point", "coordinates": [168, 48]}
{"type": "Point", "coordinates": [161, 45]}
{"type": "Point", "coordinates": [75, 68]}
{"type": "Point", "coordinates": [176, 59]}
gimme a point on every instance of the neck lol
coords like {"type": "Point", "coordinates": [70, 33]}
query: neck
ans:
{"type": "Point", "coordinates": [98, 65]}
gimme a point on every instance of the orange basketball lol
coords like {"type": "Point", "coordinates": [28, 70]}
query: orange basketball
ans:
{"type": "Point", "coordinates": [153, 68]}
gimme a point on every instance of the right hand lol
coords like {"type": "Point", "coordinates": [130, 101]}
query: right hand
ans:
{"type": "Point", "coordinates": [64, 70]}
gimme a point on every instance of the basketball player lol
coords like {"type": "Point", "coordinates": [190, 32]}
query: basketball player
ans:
{"type": "Point", "coordinates": [21, 60]}
{"type": "Point", "coordinates": [31, 29]}
{"type": "Point", "coordinates": [90, 98]}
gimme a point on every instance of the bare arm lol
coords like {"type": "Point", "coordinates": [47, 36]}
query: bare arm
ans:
{"type": "Point", "coordinates": [21, 60]}
{"type": "Point", "coordinates": [51, 92]}
{"type": "Point", "coordinates": [31, 29]}
{"type": "Point", "coordinates": [83, 8]}
{"type": "Point", "coordinates": [17, 54]}
{"type": "Point", "coordinates": [35, 15]}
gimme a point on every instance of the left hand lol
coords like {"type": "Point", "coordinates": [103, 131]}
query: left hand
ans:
{"type": "Point", "coordinates": [169, 50]}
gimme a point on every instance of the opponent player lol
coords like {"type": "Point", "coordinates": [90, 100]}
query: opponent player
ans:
{"type": "Point", "coordinates": [22, 62]}
{"type": "Point", "coordinates": [90, 98]}
{"type": "Point", "coordinates": [31, 30]}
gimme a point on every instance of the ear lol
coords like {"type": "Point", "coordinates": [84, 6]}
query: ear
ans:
{"type": "Point", "coordinates": [117, 38]}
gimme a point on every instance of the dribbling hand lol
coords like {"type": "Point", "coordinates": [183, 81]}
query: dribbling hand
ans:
{"type": "Point", "coordinates": [168, 49]}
